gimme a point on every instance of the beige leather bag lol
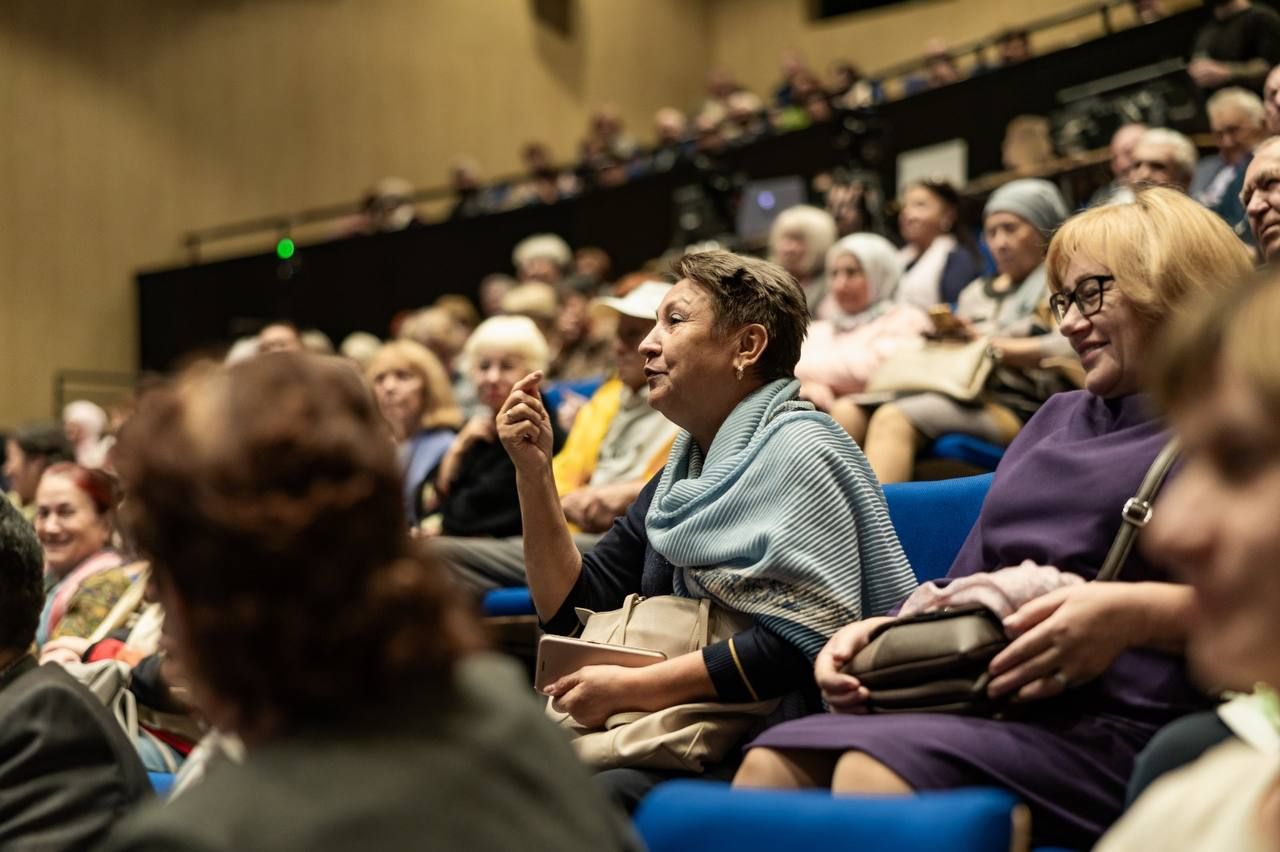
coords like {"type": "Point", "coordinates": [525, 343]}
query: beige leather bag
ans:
{"type": "Point", "coordinates": [957, 370]}
{"type": "Point", "coordinates": [685, 737]}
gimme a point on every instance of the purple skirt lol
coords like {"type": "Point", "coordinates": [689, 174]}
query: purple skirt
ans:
{"type": "Point", "coordinates": [1070, 769]}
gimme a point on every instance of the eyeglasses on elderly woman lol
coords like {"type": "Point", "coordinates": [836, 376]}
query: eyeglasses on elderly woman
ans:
{"type": "Point", "coordinates": [1087, 297]}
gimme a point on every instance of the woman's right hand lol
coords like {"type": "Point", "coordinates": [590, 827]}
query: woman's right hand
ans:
{"type": "Point", "coordinates": [524, 426]}
{"type": "Point", "coordinates": [843, 692]}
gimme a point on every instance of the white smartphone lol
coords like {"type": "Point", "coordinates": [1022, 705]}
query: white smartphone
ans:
{"type": "Point", "coordinates": [562, 655]}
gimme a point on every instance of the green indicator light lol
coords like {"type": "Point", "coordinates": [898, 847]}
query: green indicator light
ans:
{"type": "Point", "coordinates": [284, 248]}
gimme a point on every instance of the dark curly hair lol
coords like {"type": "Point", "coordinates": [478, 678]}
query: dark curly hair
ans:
{"type": "Point", "coordinates": [21, 579]}
{"type": "Point", "coordinates": [268, 495]}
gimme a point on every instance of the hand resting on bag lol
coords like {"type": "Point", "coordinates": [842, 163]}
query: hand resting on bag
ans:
{"type": "Point", "coordinates": [1076, 632]}
{"type": "Point", "coordinates": [843, 692]}
{"type": "Point", "coordinates": [594, 693]}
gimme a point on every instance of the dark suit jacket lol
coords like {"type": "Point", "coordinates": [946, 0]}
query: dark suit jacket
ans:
{"type": "Point", "coordinates": [67, 770]}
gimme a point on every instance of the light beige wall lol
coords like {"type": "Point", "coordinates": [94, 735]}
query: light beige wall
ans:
{"type": "Point", "coordinates": [123, 124]}
{"type": "Point", "coordinates": [749, 36]}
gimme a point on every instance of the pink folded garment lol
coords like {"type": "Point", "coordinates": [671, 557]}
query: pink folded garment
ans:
{"type": "Point", "coordinates": [1003, 591]}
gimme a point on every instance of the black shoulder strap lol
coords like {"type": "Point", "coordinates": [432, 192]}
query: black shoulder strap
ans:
{"type": "Point", "coordinates": [1136, 513]}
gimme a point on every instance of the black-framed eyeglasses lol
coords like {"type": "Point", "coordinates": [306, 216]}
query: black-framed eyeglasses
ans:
{"type": "Point", "coordinates": [1087, 297]}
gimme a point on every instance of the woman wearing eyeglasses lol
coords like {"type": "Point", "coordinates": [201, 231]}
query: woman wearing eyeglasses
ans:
{"type": "Point", "coordinates": [1094, 669]}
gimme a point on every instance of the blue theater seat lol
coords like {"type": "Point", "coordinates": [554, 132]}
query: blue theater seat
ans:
{"type": "Point", "coordinates": [966, 448]}
{"type": "Point", "coordinates": [711, 817]}
{"type": "Point", "coordinates": [932, 519]}
{"type": "Point", "coordinates": [505, 602]}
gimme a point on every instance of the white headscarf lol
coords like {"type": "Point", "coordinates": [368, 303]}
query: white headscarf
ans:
{"type": "Point", "coordinates": [882, 268]}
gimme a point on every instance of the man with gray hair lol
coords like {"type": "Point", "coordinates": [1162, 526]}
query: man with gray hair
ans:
{"type": "Point", "coordinates": [1238, 120]}
{"type": "Point", "coordinates": [1261, 198]}
{"type": "Point", "coordinates": [1163, 157]}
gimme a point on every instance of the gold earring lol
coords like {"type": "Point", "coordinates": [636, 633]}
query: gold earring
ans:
{"type": "Point", "coordinates": [739, 372]}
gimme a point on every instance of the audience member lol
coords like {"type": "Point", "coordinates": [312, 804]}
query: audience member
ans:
{"type": "Point", "coordinates": [1163, 157]}
{"type": "Point", "coordinates": [940, 69]}
{"type": "Point", "coordinates": [1011, 312]}
{"type": "Point", "coordinates": [1237, 47]}
{"type": "Point", "coordinates": [75, 522]}
{"type": "Point", "coordinates": [592, 264]}
{"type": "Point", "coordinates": [1094, 666]}
{"type": "Point", "coordinates": [540, 303]}
{"type": "Point", "coordinates": [547, 184]}
{"type": "Point", "coordinates": [85, 423]}
{"type": "Point", "coordinates": [1149, 11]}
{"type": "Point", "coordinates": [1217, 375]}
{"type": "Point", "coordinates": [793, 67]}
{"type": "Point", "coordinates": [492, 290]}
{"type": "Point", "coordinates": [798, 242]}
{"type": "Point", "coordinates": [388, 206]}
{"type": "Point", "coordinates": [360, 347]}
{"type": "Point", "coordinates": [472, 198]}
{"type": "Point", "coordinates": [444, 337]}
{"type": "Point", "coordinates": [848, 89]}
{"type": "Point", "coordinates": [582, 346]}
{"type": "Point", "coordinates": [1014, 47]}
{"type": "Point", "coordinates": [474, 490]}
{"type": "Point", "coordinates": [281, 336]}
{"type": "Point", "coordinates": [849, 201]}
{"type": "Point", "coordinates": [1260, 196]}
{"type": "Point", "coordinates": [1271, 100]}
{"type": "Point", "coordinates": [415, 398]}
{"type": "Point", "coordinates": [68, 771]}
{"type": "Point", "coordinates": [746, 119]}
{"type": "Point", "coordinates": [1122, 144]}
{"type": "Point", "coordinates": [673, 144]}
{"type": "Point", "coordinates": [541, 257]}
{"type": "Point", "coordinates": [311, 628]}
{"type": "Point", "coordinates": [938, 258]}
{"type": "Point", "coordinates": [316, 342]}
{"type": "Point", "coordinates": [858, 324]}
{"type": "Point", "coordinates": [1027, 146]}
{"type": "Point", "coordinates": [719, 364]}
{"type": "Point", "coordinates": [28, 451]}
{"type": "Point", "coordinates": [460, 308]}
{"type": "Point", "coordinates": [1238, 120]}
{"type": "Point", "coordinates": [617, 444]}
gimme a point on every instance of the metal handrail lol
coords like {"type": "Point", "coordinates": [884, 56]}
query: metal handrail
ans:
{"type": "Point", "coordinates": [283, 223]}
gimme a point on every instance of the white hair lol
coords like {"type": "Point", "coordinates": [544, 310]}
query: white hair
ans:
{"type": "Point", "coordinates": [547, 246]}
{"type": "Point", "coordinates": [817, 226]}
{"type": "Point", "coordinates": [88, 415]}
{"type": "Point", "coordinates": [518, 335]}
{"type": "Point", "coordinates": [1184, 150]}
{"type": "Point", "coordinates": [1242, 99]}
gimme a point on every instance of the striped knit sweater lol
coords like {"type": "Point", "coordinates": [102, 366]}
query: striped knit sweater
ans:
{"type": "Point", "coordinates": [783, 520]}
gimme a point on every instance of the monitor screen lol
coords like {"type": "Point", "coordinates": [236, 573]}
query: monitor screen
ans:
{"type": "Point", "coordinates": [763, 200]}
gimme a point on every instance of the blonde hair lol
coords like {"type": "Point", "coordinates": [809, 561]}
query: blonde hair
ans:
{"type": "Point", "coordinates": [1164, 250]}
{"type": "Point", "coordinates": [819, 231]}
{"type": "Point", "coordinates": [440, 410]}
{"type": "Point", "coordinates": [1234, 329]}
{"type": "Point", "coordinates": [514, 334]}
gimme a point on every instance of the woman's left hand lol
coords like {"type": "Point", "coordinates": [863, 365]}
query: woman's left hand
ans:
{"type": "Point", "coordinates": [1062, 639]}
{"type": "Point", "coordinates": [594, 693]}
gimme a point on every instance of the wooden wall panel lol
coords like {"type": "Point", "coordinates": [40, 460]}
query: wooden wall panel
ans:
{"type": "Point", "coordinates": [123, 124]}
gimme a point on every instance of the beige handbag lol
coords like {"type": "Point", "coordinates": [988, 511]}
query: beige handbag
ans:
{"type": "Point", "coordinates": [684, 737]}
{"type": "Point", "coordinates": [957, 370]}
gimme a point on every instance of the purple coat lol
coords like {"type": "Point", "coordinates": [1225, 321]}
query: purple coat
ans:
{"type": "Point", "coordinates": [1056, 499]}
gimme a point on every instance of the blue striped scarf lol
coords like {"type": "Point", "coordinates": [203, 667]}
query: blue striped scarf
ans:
{"type": "Point", "coordinates": [783, 520]}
